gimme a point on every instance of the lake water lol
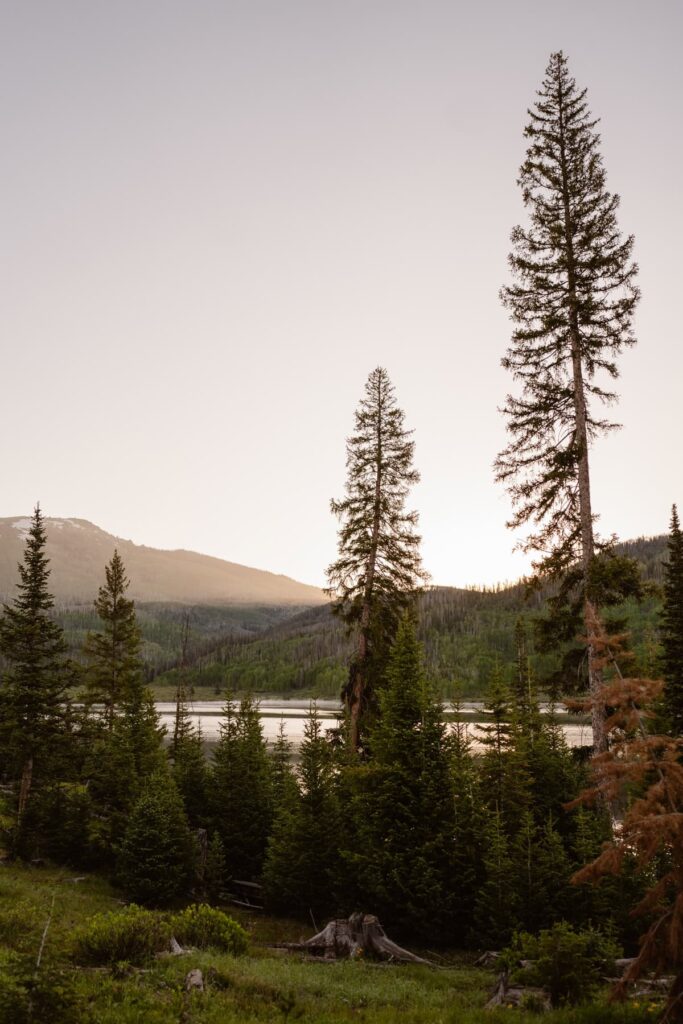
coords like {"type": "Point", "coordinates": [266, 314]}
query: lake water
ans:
{"type": "Point", "coordinates": [292, 713]}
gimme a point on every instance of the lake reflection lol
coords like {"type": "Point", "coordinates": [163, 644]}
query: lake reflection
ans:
{"type": "Point", "coordinates": [292, 713]}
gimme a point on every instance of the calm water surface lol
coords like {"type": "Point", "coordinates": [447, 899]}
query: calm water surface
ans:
{"type": "Point", "coordinates": [292, 713]}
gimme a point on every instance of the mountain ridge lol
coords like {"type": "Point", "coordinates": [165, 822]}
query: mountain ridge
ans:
{"type": "Point", "coordinates": [78, 551]}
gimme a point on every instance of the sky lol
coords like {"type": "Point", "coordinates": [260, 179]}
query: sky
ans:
{"type": "Point", "coordinates": [216, 218]}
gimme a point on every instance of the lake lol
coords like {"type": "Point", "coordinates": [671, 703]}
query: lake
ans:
{"type": "Point", "coordinates": [292, 713]}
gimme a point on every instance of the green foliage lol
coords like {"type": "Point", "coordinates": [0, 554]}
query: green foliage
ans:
{"type": "Point", "coordinates": [378, 569]}
{"type": "Point", "coordinates": [157, 854]}
{"type": "Point", "coordinates": [465, 634]}
{"type": "Point", "coordinates": [215, 872]}
{"type": "Point", "coordinates": [241, 789]}
{"type": "Point", "coordinates": [302, 861]}
{"type": "Point", "coordinates": [123, 741]}
{"type": "Point", "coordinates": [497, 901]}
{"type": "Point", "coordinates": [33, 702]}
{"type": "Point", "coordinates": [672, 627]}
{"type": "Point", "coordinates": [27, 997]}
{"type": "Point", "coordinates": [113, 655]}
{"type": "Point", "coordinates": [260, 987]}
{"type": "Point", "coordinates": [112, 781]}
{"type": "Point", "coordinates": [18, 925]}
{"type": "Point", "coordinates": [399, 840]}
{"type": "Point", "coordinates": [572, 303]}
{"type": "Point", "coordinates": [131, 935]}
{"type": "Point", "coordinates": [203, 926]}
{"type": "Point", "coordinates": [570, 964]}
{"type": "Point", "coordinates": [189, 767]}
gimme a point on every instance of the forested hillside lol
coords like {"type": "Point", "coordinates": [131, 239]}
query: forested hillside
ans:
{"type": "Point", "coordinates": [465, 634]}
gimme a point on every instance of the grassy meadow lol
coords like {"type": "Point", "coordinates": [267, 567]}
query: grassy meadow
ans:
{"type": "Point", "coordinates": [265, 985]}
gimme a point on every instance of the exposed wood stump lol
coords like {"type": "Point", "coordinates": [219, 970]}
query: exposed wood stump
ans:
{"type": "Point", "coordinates": [194, 981]}
{"type": "Point", "coordinates": [358, 935]}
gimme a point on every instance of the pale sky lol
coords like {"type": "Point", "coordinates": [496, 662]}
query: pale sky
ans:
{"type": "Point", "coordinates": [217, 217]}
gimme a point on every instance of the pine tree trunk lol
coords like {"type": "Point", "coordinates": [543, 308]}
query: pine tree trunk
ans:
{"type": "Point", "coordinates": [581, 441]}
{"type": "Point", "coordinates": [359, 682]}
{"type": "Point", "coordinates": [25, 787]}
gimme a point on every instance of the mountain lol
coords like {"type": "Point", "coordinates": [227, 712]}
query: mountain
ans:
{"type": "Point", "coordinates": [79, 550]}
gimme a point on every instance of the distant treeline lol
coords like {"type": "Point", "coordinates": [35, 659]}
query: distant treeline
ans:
{"type": "Point", "coordinates": [465, 634]}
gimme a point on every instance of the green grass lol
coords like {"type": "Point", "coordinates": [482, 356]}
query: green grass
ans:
{"type": "Point", "coordinates": [264, 986]}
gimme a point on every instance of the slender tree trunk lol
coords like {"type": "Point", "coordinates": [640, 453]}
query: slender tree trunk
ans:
{"type": "Point", "coordinates": [581, 441]}
{"type": "Point", "coordinates": [25, 786]}
{"type": "Point", "coordinates": [357, 695]}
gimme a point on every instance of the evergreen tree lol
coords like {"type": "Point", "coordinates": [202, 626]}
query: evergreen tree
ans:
{"type": "Point", "coordinates": [672, 627]}
{"type": "Point", "coordinates": [590, 904]}
{"type": "Point", "coordinates": [188, 763]}
{"type": "Point", "coordinates": [504, 779]}
{"type": "Point", "coordinates": [541, 874]}
{"type": "Point", "coordinates": [190, 773]}
{"type": "Point", "coordinates": [468, 835]}
{"type": "Point", "coordinates": [496, 907]}
{"type": "Point", "coordinates": [113, 655]}
{"type": "Point", "coordinates": [112, 787]}
{"type": "Point", "coordinates": [33, 698]}
{"type": "Point", "coordinates": [241, 789]}
{"type": "Point", "coordinates": [141, 729]}
{"type": "Point", "coordinates": [400, 852]}
{"type": "Point", "coordinates": [215, 871]}
{"type": "Point", "coordinates": [572, 304]}
{"type": "Point", "coordinates": [285, 789]}
{"type": "Point", "coordinates": [547, 771]}
{"type": "Point", "coordinates": [378, 569]}
{"type": "Point", "coordinates": [157, 854]}
{"type": "Point", "coordinates": [124, 743]}
{"type": "Point", "coordinates": [302, 861]}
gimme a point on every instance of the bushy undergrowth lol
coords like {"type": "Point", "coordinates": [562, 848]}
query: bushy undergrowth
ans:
{"type": "Point", "coordinates": [29, 997]}
{"type": "Point", "coordinates": [18, 924]}
{"type": "Point", "coordinates": [569, 963]}
{"type": "Point", "coordinates": [204, 926]}
{"type": "Point", "coordinates": [130, 935]}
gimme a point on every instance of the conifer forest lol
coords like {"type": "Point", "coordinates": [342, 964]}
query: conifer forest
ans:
{"type": "Point", "coordinates": [404, 864]}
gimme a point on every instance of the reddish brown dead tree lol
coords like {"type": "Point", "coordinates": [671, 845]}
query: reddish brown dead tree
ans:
{"type": "Point", "coordinates": [649, 825]}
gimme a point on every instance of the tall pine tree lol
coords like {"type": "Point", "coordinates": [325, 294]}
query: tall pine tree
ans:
{"type": "Point", "coordinates": [572, 303]}
{"type": "Point", "coordinates": [113, 654]}
{"type": "Point", "coordinates": [32, 705]}
{"type": "Point", "coordinates": [125, 742]}
{"type": "Point", "coordinates": [378, 569]}
{"type": "Point", "coordinates": [672, 627]}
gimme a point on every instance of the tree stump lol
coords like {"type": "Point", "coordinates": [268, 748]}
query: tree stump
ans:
{"type": "Point", "coordinates": [358, 935]}
{"type": "Point", "coordinates": [194, 981]}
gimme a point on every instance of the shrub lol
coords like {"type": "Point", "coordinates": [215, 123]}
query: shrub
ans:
{"type": "Point", "coordinates": [203, 926]}
{"type": "Point", "coordinates": [19, 924]}
{"type": "Point", "coordinates": [27, 998]}
{"type": "Point", "coordinates": [132, 935]}
{"type": "Point", "coordinates": [569, 964]}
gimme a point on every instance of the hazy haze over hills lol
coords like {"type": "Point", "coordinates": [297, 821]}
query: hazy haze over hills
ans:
{"type": "Point", "coordinates": [79, 550]}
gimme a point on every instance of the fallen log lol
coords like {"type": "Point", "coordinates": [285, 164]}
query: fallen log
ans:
{"type": "Point", "coordinates": [353, 937]}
